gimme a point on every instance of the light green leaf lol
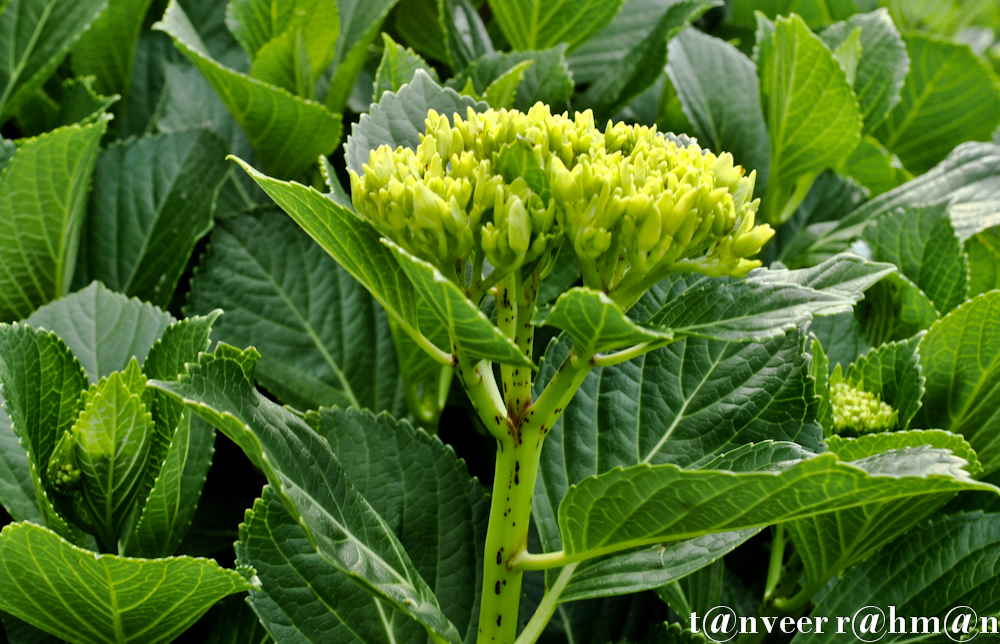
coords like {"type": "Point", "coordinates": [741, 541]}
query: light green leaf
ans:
{"type": "Point", "coordinates": [322, 337]}
{"type": "Point", "coordinates": [502, 93]}
{"type": "Point", "coordinates": [360, 21]}
{"type": "Point", "coordinates": [17, 490]}
{"type": "Point", "coordinates": [630, 75]}
{"type": "Point", "coordinates": [923, 244]}
{"type": "Point", "coordinates": [35, 36]}
{"type": "Point", "coordinates": [717, 88]}
{"type": "Point", "coordinates": [471, 332]}
{"type": "Point", "coordinates": [288, 133]}
{"type": "Point", "coordinates": [341, 525]}
{"type": "Point", "coordinates": [892, 372]}
{"type": "Point", "coordinates": [465, 36]}
{"type": "Point", "coordinates": [948, 562]}
{"type": "Point", "coordinates": [399, 118]}
{"type": "Point", "coordinates": [111, 439]}
{"type": "Point", "coordinates": [43, 193]}
{"type": "Point", "coordinates": [596, 323]}
{"type": "Point", "coordinates": [813, 117]}
{"type": "Point", "coordinates": [88, 598]}
{"type": "Point", "coordinates": [649, 567]}
{"type": "Point", "coordinates": [397, 68]}
{"type": "Point", "coordinates": [882, 67]}
{"type": "Point", "coordinates": [355, 245]}
{"type": "Point", "coordinates": [518, 160]}
{"type": "Point", "coordinates": [538, 24]}
{"type": "Point", "coordinates": [328, 605]}
{"type": "Point", "coordinates": [848, 54]}
{"type": "Point", "coordinates": [960, 356]}
{"type": "Point", "coordinates": [547, 80]}
{"type": "Point", "coordinates": [830, 543]}
{"type": "Point", "coordinates": [950, 96]}
{"type": "Point", "coordinates": [107, 48]}
{"type": "Point", "coordinates": [173, 499]}
{"type": "Point", "coordinates": [894, 309]}
{"type": "Point", "coordinates": [874, 167]}
{"type": "Point", "coordinates": [42, 387]}
{"type": "Point", "coordinates": [153, 200]}
{"type": "Point", "coordinates": [650, 504]}
{"type": "Point", "coordinates": [820, 371]}
{"type": "Point", "coordinates": [105, 330]}
{"type": "Point", "coordinates": [767, 303]}
{"type": "Point", "coordinates": [967, 181]}
{"type": "Point", "coordinates": [284, 62]}
{"type": "Point", "coordinates": [983, 251]}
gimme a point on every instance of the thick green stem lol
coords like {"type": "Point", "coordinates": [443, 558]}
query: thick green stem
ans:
{"type": "Point", "coordinates": [777, 559]}
{"type": "Point", "coordinates": [515, 308]}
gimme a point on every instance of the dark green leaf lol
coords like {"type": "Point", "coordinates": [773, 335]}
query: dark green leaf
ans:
{"type": "Point", "coordinates": [341, 525]}
{"type": "Point", "coordinates": [538, 24]}
{"type": "Point", "coordinates": [360, 21]}
{"type": "Point", "coordinates": [518, 161]}
{"type": "Point", "coordinates": [107, 48]}
{"type": "Point", "coordinates": [95, 599]}
{"type": "Point", "coordinates": [465, 37]}
{"type": "Point", "coordinates": [892, 372]}
{"type": "Point", "coordinates": [950, 96]}
{"type": "Point", "coordinates": [397, 68]}
{"type": "Point", "coordinates": [417, 22]}
{"type": "Point", "coordinates": [547, 79]}
{"type": "Point", "coordinates": [817, 13]}
{"type": "Point", "coordinates": [894, 309]}
{"type": "Point", "coordinates": [883, 65]}
{"type": "Point", "coordinates": [321, 333]}
{"type": "Point", "coordinates": [103, 329]}
{"type": "Point", "coordinates": [234, 622]}
{"type": "Point", "coordinates": [35, 36]}
{"type": "Point", "coordinates": [17, 490]}
{"type": "Point", "coordinates": [983, 251]}
{"type": "Point", "coordinates": [153, 200]}
{"type": "Point", "coordinates": [874, 167]}
{"type": "Point", "coordinates": [960, 356]}
{"type": "Point", "coordinates": [717, 88]}
{"type": "Point", "coordinates": [43, 194]}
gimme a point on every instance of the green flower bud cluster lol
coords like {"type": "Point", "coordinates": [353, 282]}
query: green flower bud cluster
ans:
{"type": "Point", "coordinates": [626, 200]}
{"type": "Point", "coordinates": [859, 411]}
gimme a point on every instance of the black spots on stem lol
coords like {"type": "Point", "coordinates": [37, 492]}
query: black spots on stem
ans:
{"type": "Point", "coordinates": [497, 588]}
{"type": "Point", "coordinates": [499, 555]}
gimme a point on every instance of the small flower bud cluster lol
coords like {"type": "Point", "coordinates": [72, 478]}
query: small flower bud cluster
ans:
{"type": "Point", "coordinates": [627, 200]}
{"type": "Point", "coordinates": [859, 411]}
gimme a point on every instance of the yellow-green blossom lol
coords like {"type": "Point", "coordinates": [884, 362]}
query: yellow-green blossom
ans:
{"type": "Point", "coordinates": [859, 410]}
{"type": "Point", "coordinates": [628, 201]}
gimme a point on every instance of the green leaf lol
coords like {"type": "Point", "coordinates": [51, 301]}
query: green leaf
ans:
{"type": "Point", "coordinates": [595, 322]}
{"type": "Point", "coordinates": [647, 504]}
{"type": "Point", "coordinates": [35, 36]}
{"type": "Point", "coordinates": [360, 21]}
{"type": "Point", "coordinates": [341, 525]}
{"type": "Point", "coordinates": [829, 199]}
{"type": "Point", "coordinates": [538, 24]}
{"type": "Point", "coordinates": [960, 357]}
{"type": "Point", "coordinates": [173, 499]}
{"type": "Point", "coordinates": [234, 622]}
{"type": "Point", "coordinates": [950, 96]}
{"type": "Point", "coordinates": [304, 599]}
{"type": "Point", "coordinates": [883, 65]}
{"type": "Point", "coordinates": [354, 244]}
{"type": "Point", "coordinates": [673, 634]}
{"type": "Point", "coordinates": [966, 181]}
{"type": "Point", "coordinates": [418, 23]}
{"type": "Point", "coordinates": [547, 79]}
{"type": "Point", "coordinates": [502, 93]}
{"type": "Point", "coordinates": [698, 592]}
{"type": "Point", "coordinates": [107, 48]}
{"type": "Point", "coordinates": [111, 439]}
{"type": "Point", "coordinates": [630, 75]}
{"type": "Point", "coordinates": [153, 200]}
{"type": "Point", "coordinates": [648, 568]}
{"type": "Point", "coordinates": [717, 88]}
{"type": "Point", "coordinates": [816, 13]}
{"type": "Point", "coordinates": [983, 251]}
{"type": "Point", "coordinates": [397, 68]}
{"type": "Point", "coordinates": [820, 371]}
{"type": "Point", "coordinates": [813, 117]}
{"type": "Point", "coordinates": [848, 54]}
{"type": "Point", "coordinates": [76, 103]}
{"type": "Point", "coordinates": [17, 490]}
{"type": "Point", "coordinates": [399, 118]}
{"type": "Point", "coordinates": [830, 543]}
{"type": "Point", "coordinates": [767, 303]}
{"type": "Point", "coordinates": [841, 335]}
{"type": "Point", "coordinates": [42, 387]}
{"type": "Point", "coordinates": [874, 167]}
{"type": "Point", "coordinates": [894, 309]}
{"type": "Point", "coordinates": [518, 160]}
{"type": "Point", "coordinates": [105, 330]}
{"type": "Point", "coordinates": [43, 193]}
{"type": "Point", "coordinates": [288, 133]}
{"type": "Point", "coordinates": [322, 337]}
{"type": "Point", "coordinates": [465, 36]}
{"type": "Point", "coordinates": [923, 244]}
{"type": "Point", "coordinates": [947, 562]}
{"type": "Point", "coordinates": [892, 372]}
{"type": "Point", "coordinates": [87, 598]}
{"type": "Point", "coordinates": [471, 332]}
